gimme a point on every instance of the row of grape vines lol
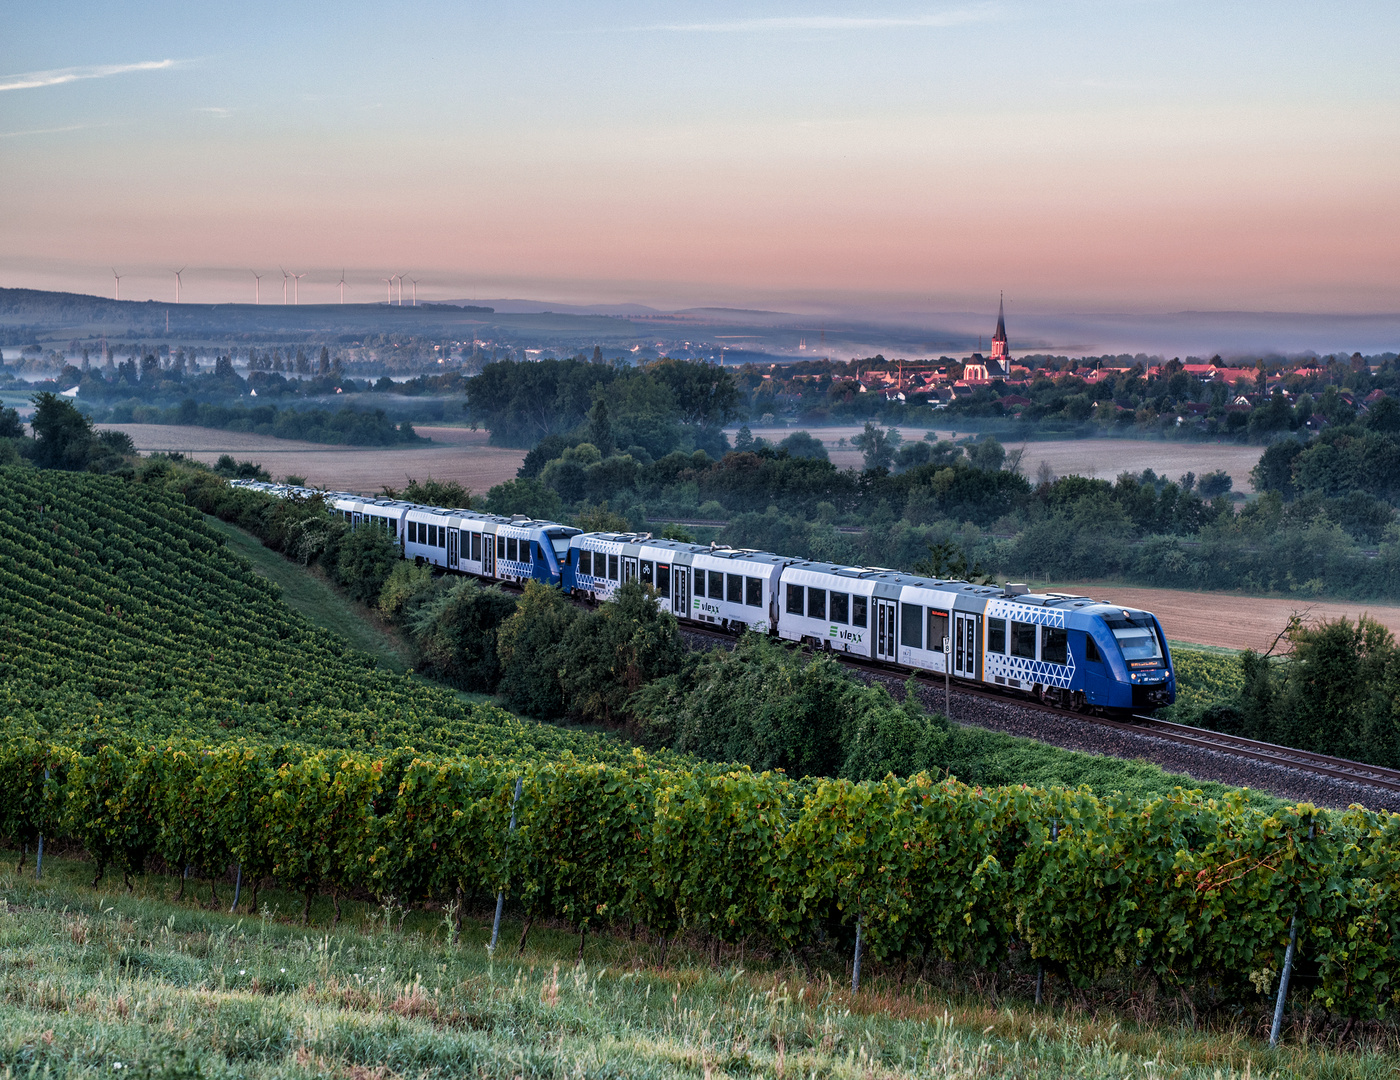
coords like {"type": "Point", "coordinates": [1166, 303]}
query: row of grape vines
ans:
{"type": "Point", "coordinates": [1185, 889]}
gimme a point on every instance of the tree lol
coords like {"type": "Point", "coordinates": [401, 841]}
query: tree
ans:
{"type": "Point", "coordinates": [600, 432]}
{"type": "Point", "coordinates": [948, 562]}
{"type": "Point", "coordinates": [324, 364]}
{"type": "Point", "coordinates": [11, 426]}
{"type": "Point", "coordinates": [456, 634]}
{"type": "Point", "coordinates": [802, 445]}
{"type": "Point", "coordinates": [878, 446]}
{"type": "Point", "coordinates": [62, 435]}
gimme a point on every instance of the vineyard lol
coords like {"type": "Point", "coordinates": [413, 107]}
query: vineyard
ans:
{"type": "Point", "coordinates": [161, 703]}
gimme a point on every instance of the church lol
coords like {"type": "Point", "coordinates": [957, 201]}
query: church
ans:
{"type": "Point", "coordinates": [996, 366]}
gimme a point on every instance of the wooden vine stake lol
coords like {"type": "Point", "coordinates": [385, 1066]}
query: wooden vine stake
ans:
{"type": "Point", "coordinates": [1040, 968]}
{"type": "Point", "coordinates": [501, 896]}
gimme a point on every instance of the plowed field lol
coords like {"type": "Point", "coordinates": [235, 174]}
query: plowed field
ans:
{"type": "Point", "coordinates": [457, 454]}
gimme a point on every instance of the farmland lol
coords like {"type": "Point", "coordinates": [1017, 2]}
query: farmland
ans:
{"type": "Point", "coordinates": [1227, 620]}
{"type": "Point", "coordinates": [1100, 458]}
{"type": "Point", "coordinates": [458, 454]}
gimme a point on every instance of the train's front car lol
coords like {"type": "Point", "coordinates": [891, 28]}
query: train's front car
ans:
{"type": "Point", "coordinates": [1129, 665]}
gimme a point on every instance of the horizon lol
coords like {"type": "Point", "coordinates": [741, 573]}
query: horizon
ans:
{"type": "Point", "coordinates": [1115, 158]}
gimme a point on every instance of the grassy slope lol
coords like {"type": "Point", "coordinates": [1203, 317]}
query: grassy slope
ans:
{"type": "Point", "coordinates": [311, 595]}
{"type": "Point", "coordinates": [92, 978]}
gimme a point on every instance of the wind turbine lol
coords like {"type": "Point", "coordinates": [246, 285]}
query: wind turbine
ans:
{"type": "Point", "coordinates": [389, 288]}
{"type": "Point", "coordinates": [177, 274]}
{"type": "Point", "coordinates": [415, 290]}
{"type": "Point", "coordinates": [400, 277]}
{"type": "Point", "coordinates": [257, 286]}
{"type": "Point", "coordinates": [342, 286]}
{"type": "Point", "coordinates": [296, 287]}
{"type": "Point", "coordinates": [285, 275]}
{"type": "Point", "coordinates": [118, 279]}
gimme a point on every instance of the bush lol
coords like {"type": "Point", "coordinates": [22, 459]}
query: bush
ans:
{"type": "Point", "coordinates": [364, 561]}
{"type": "Point", "coordinates": [530, 647]}
{"type": "Point", "coordinates": [612, 652]}
{"type": "Point", "coordinates": [455, 631]}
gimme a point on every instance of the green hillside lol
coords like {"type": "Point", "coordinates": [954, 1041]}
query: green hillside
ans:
{"type": "Point", "coordinates": [122, 612]}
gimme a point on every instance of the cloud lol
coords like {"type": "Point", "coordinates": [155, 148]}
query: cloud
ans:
{"type": "Point", "coordinates": [43, 131]}
{"type": "Point", "coordinates": [33, 79]}
{"type": "Point", "coordinates": [957, 17]}
{"type": "Point", "coordinates": [215, 110]}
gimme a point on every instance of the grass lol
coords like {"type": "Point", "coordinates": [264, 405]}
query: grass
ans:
{"type": "Point", "coordinates": [310, 594]}
{"type": "Point", "coordinates": [99, 982]}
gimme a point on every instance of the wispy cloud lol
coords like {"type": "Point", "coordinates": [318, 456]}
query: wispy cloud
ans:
{"type": "Point", "coordinates": [43, 131]}
{"type": "Point", "coordinates": [932, 20]}
{"type": "Point", "coordinates": [218, 111]}
{"type": "Point", "coordinates": [30, 80]}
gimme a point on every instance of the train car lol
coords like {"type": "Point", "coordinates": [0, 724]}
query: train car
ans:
{"type": "Point", "coordinates": [489, 546]}
{"type": "Point", "coordinates": [849, 609]}
{"type": "Point", "coordinates": [600, 563]}
{"type": "Point", "coordinates": [1069, 650]}
{"type": "Point", "coordinates": [737, 589]}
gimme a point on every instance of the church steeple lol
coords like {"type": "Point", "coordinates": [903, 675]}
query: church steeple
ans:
{"type": "Point", "coordinates": [999, 338]}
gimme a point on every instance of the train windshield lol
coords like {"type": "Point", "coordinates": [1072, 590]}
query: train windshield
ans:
{"type": "Point", "coordinates": [1137, 637]}
{"type": "Point", "coordinates": [561, 544]}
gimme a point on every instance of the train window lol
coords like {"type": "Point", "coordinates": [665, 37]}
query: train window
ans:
{"type": "Point", "coordinates": [432, 536]}
{"type": "Point", "coordinates": [937, 629]}
{"type": "Point", "coordinates": [996, 635]}
{"type": "Point", "coordinates": [512, 550]}
{"type": "Point", "coordinates": [476, 547]}
{"type": "Point", "coordinates": [911, 630]}
{"type": "Point", "coordinates": [753, 592]}
{"type": "Point", "coordinates": [858, 605]}
{"type": "Point", "coordinates": [500, 547]}
{"type": "Point", "coordinates": [663, 579]}
{"type": "Point", "coordinates": [816, 603]}
{"type": "Point", "coordinates": [1091, 650]}
{"type": "Point", "coordinates": [612, 567]}
{"type": "Point", "coordinates": [794, 599]}
{"type": "Point", "coordinates": [736, 588]}
{"type": "Point", "coordinates": [585, 561]}
{"type": "Point", "coordinates": [1054, 644]}
{"type": "Point", "coordinates": [412, 532]}
{"type": "Point", "coordinates": [840, 607]}
{"type": "Point", "coordinates": [1023, 639]}
{"type": "Point", "coordinates": [646, 572]}
{"type": "Point", "coordinates": [716, 585]}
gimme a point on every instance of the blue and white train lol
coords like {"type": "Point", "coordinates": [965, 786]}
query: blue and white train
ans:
{"type": "Point", "coordinates": [1071, 651]}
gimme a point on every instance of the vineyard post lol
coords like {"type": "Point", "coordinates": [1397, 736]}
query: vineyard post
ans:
{"type": "Point", "coordinates": [501, 896]}
{"type": "Point", "coordinates": [237, 885]}
{"type": "Point", "coordinates": [1287, 967]}
{"type": "Point", "coordinates": [39, 858]}
{"type": "Point", "coordinates": [1040, 967]}
{"type": "Point", "coordinates": [855, 967]}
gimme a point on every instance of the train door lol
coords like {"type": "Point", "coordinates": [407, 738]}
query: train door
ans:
{"type": "Point", "coordinates": [680, 591]}
{"type": "Point", "coordinates": [452, 538]}
{"type": "Point", "coordinates": [885, 633]}
{"type": "Point", "coordinates": [966, 636]}
{"type": "Point", "coordinates": [629, 570]}
{"type": "Point", "coordinates": [488, 555]}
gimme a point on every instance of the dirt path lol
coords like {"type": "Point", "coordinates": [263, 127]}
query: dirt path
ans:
{"type": "Point", "coordinates": [1224, 619]}
{"type": "Point", "coordinates": [457, 454]}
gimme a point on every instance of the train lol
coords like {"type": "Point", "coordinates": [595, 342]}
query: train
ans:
{"type": "Point", "coordinates": [1071, 651]}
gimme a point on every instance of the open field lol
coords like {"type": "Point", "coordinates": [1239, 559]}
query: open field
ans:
{"type": "Point", "coordinates": [1226, 619]}
{"type": "Point", "coordinates": [106, 982]}
{"type": "Point", "coordinates": [458, 454]}
{"type": "Point", "coordinates": [1103, 458]}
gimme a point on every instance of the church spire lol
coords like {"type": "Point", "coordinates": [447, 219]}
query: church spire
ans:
{"type": "Point", "coordinates": [999, 351]}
